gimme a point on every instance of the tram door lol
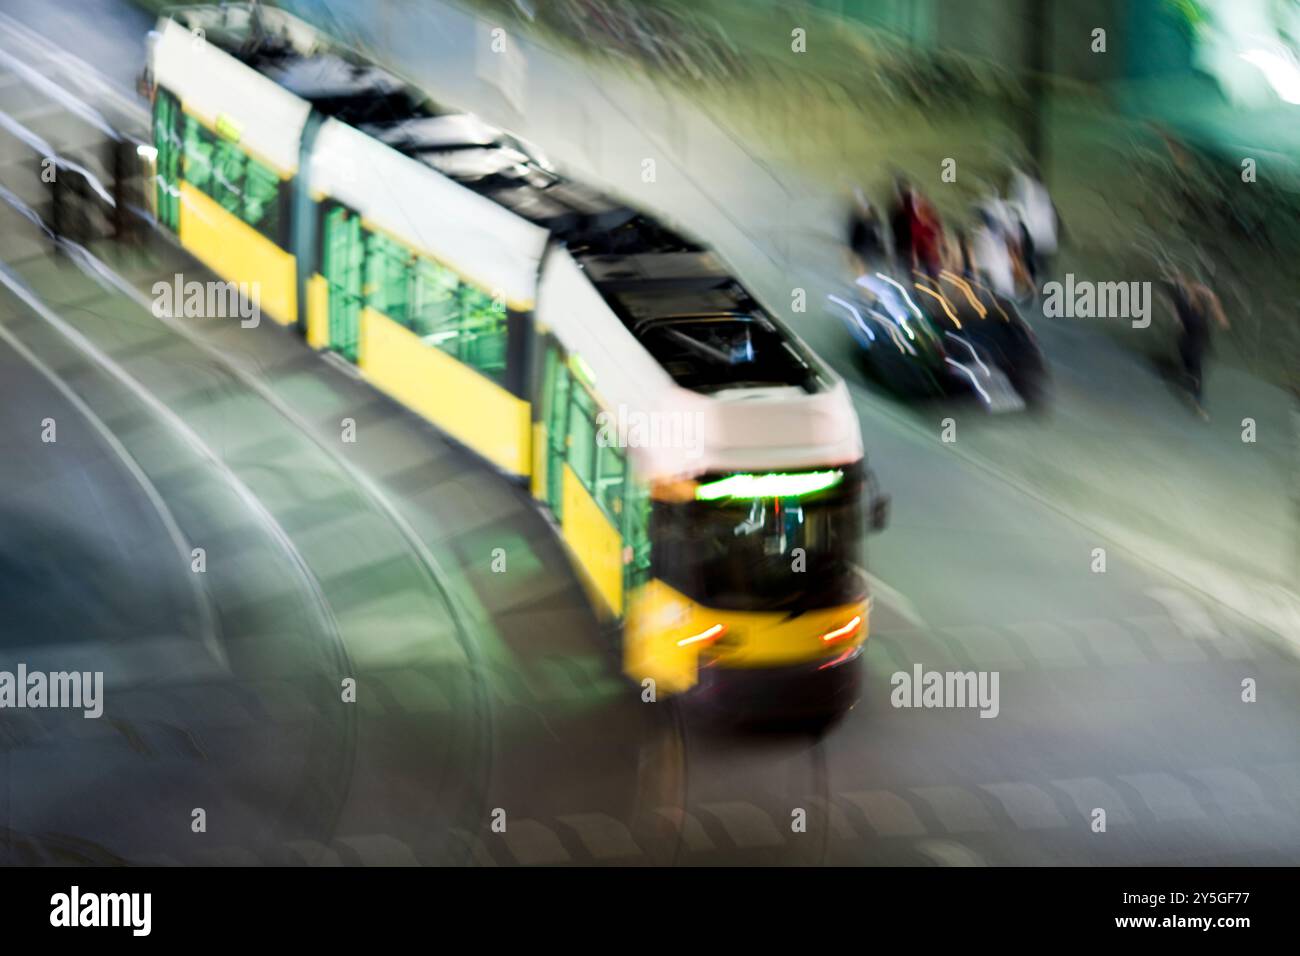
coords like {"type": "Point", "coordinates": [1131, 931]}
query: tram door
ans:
{"type": "Point", "coordinates": [167, 140]}
{"type": "Point", "coordinates": [342, 261]}
{"type": "Point", "coordinates": [555, 408]}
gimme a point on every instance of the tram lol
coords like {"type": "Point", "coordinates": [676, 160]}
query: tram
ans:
{"type": "Point", "coordinates": [704, 469]}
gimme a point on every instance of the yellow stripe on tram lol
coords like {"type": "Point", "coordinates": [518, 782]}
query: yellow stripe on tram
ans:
{"type": "Point", "coordinates": [465, 404]}
{"type": "Point", "coordinates": [594, 541]}
{"type": "Point", "coordinates": [318, 312]}
{"type": "Point", "coordinates": [239, 253]}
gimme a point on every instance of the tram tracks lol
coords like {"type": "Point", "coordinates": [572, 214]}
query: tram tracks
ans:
{"type": "Point", "coordinates": [422, 564]}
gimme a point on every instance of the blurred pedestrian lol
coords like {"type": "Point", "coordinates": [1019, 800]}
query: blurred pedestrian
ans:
{"type": "Point", "coordinates": [1196, 307]}
{"type": "Point", "coordinates": [963, 262]}
{"type": "Point", "coordinates": [929, 245]}
{"type": "Point", "coordinates": [1038, 220]}
{"type": "Point", "coordinates": [70, 206]}
{"type": "Point", "coordinates": [866, 233]}
{"type": "Point", "coordinates": [902, 217]}
{"type": "Point", "coordinates": [989, 253]}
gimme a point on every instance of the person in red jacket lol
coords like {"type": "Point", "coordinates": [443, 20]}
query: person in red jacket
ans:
{"type": "Point", "coordinates": [928, 241]}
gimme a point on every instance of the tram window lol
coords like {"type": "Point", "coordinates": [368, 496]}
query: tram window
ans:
{"type": "Point", "coordinates": [239, 183]}
{"type": "Point", "coordinates": [582, 437]}
{"type": "Point", "coordinates": [387, 276]}
{"type": "Point", "coordinates": [458, 318]}
{"type": "Point", "coordinates": [435, 304]}
{"type": "Point", "coordinates": [611, 472]}
{"type": "Point", "coordinates": [483, 323]}
{"type": "Point", "coordinates": [261, 197]}
{"type": "Point", "coordinates": [198, 157]}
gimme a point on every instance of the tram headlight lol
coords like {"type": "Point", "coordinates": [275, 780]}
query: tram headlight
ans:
{"type": "Point", "coordinates": [704, 638]}
{"type": "Point", "coordinates": [844, 632]}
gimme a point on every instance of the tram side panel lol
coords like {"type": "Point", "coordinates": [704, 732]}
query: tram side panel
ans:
{"type": "Point", "coordinates": [428, 288]}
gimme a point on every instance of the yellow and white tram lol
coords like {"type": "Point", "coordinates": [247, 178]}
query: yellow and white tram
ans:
{"type": "Point", "coordinates": [704, 468]}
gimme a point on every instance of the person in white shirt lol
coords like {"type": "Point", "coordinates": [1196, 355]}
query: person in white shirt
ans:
{"type": "Point", "coordinates": [1037, 214]}
{"type": "Point", "coordinates": [990, 258]}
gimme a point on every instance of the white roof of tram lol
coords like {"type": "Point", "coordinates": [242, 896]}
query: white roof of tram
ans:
{"type": "Point", "coordinates": [740, 430]}
{"type": "Point", "coordinates": [214, 85]}
{"type": "Point", "coordinates": [483, 241]}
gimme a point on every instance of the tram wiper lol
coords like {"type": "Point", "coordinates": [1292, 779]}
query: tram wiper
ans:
{"type": "Point", "coordinates": [708, 351]}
